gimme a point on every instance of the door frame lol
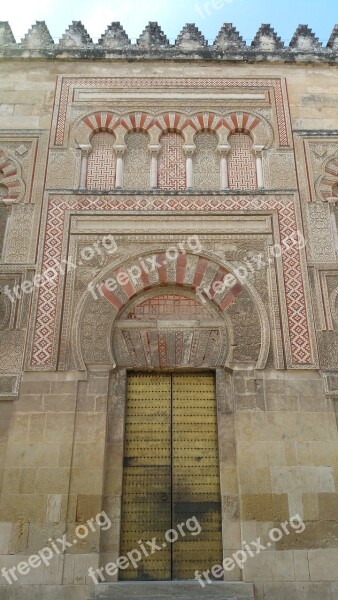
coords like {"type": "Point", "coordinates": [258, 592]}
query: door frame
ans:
{"type": "Point", "coordinates": [117, 402]}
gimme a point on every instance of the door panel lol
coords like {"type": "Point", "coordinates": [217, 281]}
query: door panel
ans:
{"type": "Point", "coordinates": [146, 506]}
{"type": "Point", "coordinates": [171, 473]}
{"type": "Point", "coordinates": [195, 468]}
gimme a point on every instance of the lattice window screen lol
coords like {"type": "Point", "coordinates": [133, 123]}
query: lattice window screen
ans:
{"type": "Point", "coordinates": [241, 163]}
{"type": "Point", "coordinates": [102, 163]}
{"type": "Point", "coordinates": [172, 163]}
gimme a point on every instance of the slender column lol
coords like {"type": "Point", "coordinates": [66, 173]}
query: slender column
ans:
{"type": "Point", "coordinates": [85, 151]}
{"type": "Point", "coordinates": [154, 150]}
{"type": "Point", "coordinates": [224, 150]}
{"type": "Point", "coordinates": [259, 165]}
{"type": "Point", "coordinates": [119, 167]}
{"type": "Point", "coordinates": [189, 152]}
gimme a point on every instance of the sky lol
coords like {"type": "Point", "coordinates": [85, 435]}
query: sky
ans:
{"type": "Point", "coordinates": [208, 15]}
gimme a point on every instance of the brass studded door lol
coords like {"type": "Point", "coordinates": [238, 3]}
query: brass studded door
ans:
{"type": "Point", "coordinates": [171, 475]}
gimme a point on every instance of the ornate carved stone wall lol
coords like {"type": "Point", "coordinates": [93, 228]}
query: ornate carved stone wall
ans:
{"type": "Point", "coordinates": [241, 166]}
{"type": "Point", "coordinates": [166, 222]}
{"type": "Point", "coordinates": [137, 162]}
{"type": "Point", "coordinates": [102, 163]}
{"type": "Point", "coordinates": [171, 164]}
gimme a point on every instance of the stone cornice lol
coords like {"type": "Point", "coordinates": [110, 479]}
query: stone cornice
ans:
{"type": "Point", "coordinates": [153, 44]}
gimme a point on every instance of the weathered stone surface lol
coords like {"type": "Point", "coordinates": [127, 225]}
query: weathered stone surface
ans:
{"type": "Point", "coordinates": [152, 36]}
{"type": "Point", "coordinates": [304, 39]}
{"type": "Point", "coordinates": [267, 40]}
{"type": "Point", "coordinates": [37, 37]}
{"type": "Point", "coordinates": [190, 38]}
{"type": "Point", "coordinates": [114, 37]}
{"type": "Point", "coordinates": [6, 34]}
{"type": "Point", "coordinates": [76, 36]}
{"type": "Point", "coordinates": [228, 38]}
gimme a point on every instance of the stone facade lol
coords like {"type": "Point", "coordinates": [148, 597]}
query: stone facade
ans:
{"type": "Point", "coordinates": [168, 207]}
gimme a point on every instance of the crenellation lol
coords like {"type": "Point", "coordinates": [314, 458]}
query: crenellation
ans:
{"type": "Point", "coordinates": [228, 39]}
{"type": "Point", "coordinates": [305, 40]}
{"type": "Point", "coordinates": [267, 40]}
{"type": "Point", "coordinates": [114, 43]}
{"type": "Point", "coordinates": [191, 38]}
{"type": "Point", "coordinates": [76, 36]}
{"type": "Point", "coordinates": [37, 37]}
{"type": "Point", "coordinates": [114, 37]}
{"type": "Point", "coordinates": [152, 36]}
{"type": "Point", "coordinates": [6, 34]}
{"type": "Point", "coordinates": [333, 41]}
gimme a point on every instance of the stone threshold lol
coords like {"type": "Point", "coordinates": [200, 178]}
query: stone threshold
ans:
{"type": "Point", "coordinates": [173, 590]}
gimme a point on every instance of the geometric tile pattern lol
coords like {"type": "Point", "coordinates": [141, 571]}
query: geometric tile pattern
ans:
{"type": "Point", "coordinates": [9, 178]}
{"type": "Point", "coordinates": [172, 163]}
{"type": "Point", "coordinates": [169, 306]}
{"type": "Point", "coordinates": [45, 333]}
{"type": "Point", "coordinates": [329, 183]}
{"type": "Point", "coordinates": [101, 163]}
{"type": "Point", "coordinates": [149, 347]}
{"type": "Point", "coordinates": [68, 85]}
{"type": "Point", "coordinates": [241, 163]}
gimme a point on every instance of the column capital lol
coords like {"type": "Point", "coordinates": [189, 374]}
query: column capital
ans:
{"type": "Point", "coordinates": [223, 149]}
{"type": "Point", "coordinates": [120, 149]}
{"type": "Point", "coordinates": [189, 150]}
{"type": "Point", "coordinates": [154, 148]}
{"type": "Point", "coordinates": [85, 148]}
{"type": "Point", "coordinates": [257, 149]}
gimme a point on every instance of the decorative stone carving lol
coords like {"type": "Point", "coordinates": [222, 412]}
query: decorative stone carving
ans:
{"type": "Point", "coordinates": [18, 234]}
{"type": "Point", "coordinates": [5, 310]}
{"type": "Point", "coordinates": [228, 38]}
{"type": "Point", "coordinates": [171, 163]}
{"type": "Point", "coordinates": [137, 162]}
{"type": "Point", "coordinates": [101, 166]}
{"type": "Point", "coordinates": [176, 321]}
{"type": "Point", "coordinates": [327, 185]}
{"type": "Point", "coordinates": [3, 224]}
{"type": "Point", "coordinates": [228, 44]}
{"type": "Point", "coordinates": [304, 40]}
{"type": "Point", "coordinates": [68, 88]}
{"type": "Point", "coordinates": [152, 36]}
{"type": "Point", "coordinates": [321, 239]}
{"type": "Point", "coordinates": [333, 41]}
{"type": "Point", "coordinates": [76, 36]}
{"type": "Point", "coordinates": [267, 40]}
{"type": "Point", "coordinates": [206, 163]}
{"type": "Point", "coordinates": [63, 169]}
{"type": "Point", "coordinates": [241, 163]}
{"type": "Point", "coordinates": [37, 37]}
{"type": "Point", "coordinates": [114, 37]}
{"type": "Point", "coordinates": [9, 386]}
{"type": "Point", "coordinates": [282, 171]}
{"type": "Point", "coordinates": [6, 35]}
{"type": "Point", "coordinates": [190, 38]}
{"type": "Point", "coordinates": [12, 187]}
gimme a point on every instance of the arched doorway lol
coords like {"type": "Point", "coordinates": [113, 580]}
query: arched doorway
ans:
{"type": "Point", "coordinates": [171, 483]}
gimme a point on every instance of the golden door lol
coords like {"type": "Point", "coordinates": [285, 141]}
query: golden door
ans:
{"type": "Point", "coordinates": [171, 476]}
